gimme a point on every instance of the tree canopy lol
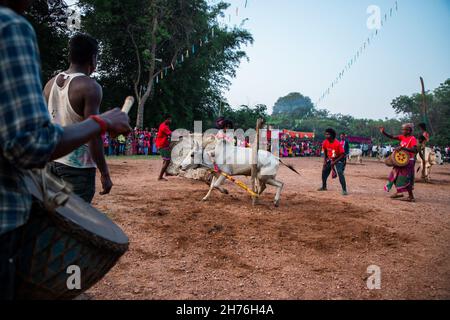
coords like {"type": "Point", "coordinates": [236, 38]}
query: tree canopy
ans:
{"type": "Point", "coordinates": [139, 38]}
{"type": "Point", "coordinates": [49, 19]}
{"type": "Point", "coordinates": [180, 40]}
{"type": "Point", "coordinates": [437, 115]}
{"type": "Point", "coordinates": [294, 104]}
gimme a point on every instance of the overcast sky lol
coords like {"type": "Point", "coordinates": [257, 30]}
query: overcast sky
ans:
{"type": "Point", "coordinates": [302, 45]}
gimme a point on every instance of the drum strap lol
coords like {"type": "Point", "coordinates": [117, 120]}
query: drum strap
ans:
{"type": "Point", "coordinates": [55, 196]}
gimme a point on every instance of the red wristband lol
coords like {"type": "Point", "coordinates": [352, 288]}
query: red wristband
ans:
{"type": "Point", "coordinates": [102, 123]}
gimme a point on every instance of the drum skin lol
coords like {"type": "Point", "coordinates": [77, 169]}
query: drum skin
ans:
{"type": "Point", "coordinates": [400, 158]}
{"type": "Point", "coordinates": [50, 244]}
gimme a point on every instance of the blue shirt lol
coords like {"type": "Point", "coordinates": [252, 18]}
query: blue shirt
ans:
{"type": "Point", "coordinates": [27, 136]}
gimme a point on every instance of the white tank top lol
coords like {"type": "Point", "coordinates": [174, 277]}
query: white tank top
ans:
{"type": "Point", "coordinates": [63, 114]}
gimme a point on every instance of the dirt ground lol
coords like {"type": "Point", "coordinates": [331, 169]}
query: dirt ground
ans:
{"type": "Point", "coordinates": [315, 246]}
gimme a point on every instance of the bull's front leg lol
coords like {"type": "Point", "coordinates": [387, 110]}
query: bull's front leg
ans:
{"type": "Point", "coordinates": [428, 173]}
{"type": "Point", "coordinates": [215, 184]}
{"type": "Point", "coordinates": [211, 187]}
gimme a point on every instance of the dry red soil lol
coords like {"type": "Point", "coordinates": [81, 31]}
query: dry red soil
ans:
{"type": "Point", "coordinates": [315, 246]}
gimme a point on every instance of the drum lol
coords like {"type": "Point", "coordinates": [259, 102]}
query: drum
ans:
{"type": "Point", "coordinates": [75, 234]}
{"type": "Point", "coordinates": [398, 159]}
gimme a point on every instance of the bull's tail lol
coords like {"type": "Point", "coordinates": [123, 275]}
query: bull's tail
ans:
{"type": "Point", "coordinates": [289, 166]}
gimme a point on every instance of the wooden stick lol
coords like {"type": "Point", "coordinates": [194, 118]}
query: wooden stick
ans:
{"type": "Point", "coordinates": [255, 153]}
{"type": "Point", "coordinates": [425, 106]}
{"type": "Point", "coordinates": [240, 184]}
{"type": "Point", "coordinates": [128, 104]}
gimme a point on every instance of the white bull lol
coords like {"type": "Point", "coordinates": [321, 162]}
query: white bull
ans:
{"type": "Point", "coordinates": [382, 154]}
{"type": "Point", "coordinates": [355, 153]}
{"type": "Point", "coordinates": [235, 161]}
{"type": "Point", "coordinates": [431, 158]}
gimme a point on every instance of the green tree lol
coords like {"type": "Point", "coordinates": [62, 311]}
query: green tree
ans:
{"type": "Point", "coordinates": [49, 20]}
{"type": "Point", "coordinates": [437, 115]}
{"type": "Point", "coordinates": [294, 104]}
{"type": "Point", "coordinates": [145, 40]}
{"type": "Point", "coordinates": [246, 117]}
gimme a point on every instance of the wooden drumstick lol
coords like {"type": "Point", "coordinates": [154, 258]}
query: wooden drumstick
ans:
{"type": "Point", "coordinates": [128, 104]}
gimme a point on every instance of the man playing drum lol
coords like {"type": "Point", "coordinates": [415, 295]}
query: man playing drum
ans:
{"type": "Point", "coordinates": [403, 177]}
{"type": "Point", "coordinates": [72, 97]}
{"type": "Point", "coordinates": [28, 139]}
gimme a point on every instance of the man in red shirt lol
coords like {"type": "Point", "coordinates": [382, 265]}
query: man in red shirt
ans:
{"type": "Point", "coordinates": [334, 160]}
{"type": "Point", "coordinates": [163, 145]}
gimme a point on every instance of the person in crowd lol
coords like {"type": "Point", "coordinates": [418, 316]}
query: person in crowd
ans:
{"type": "Point", "coordinates": [28, 138]}
{"type": "Point", "coordinates": [403, 177]}
{"type": "Point", "coordinates": [154, 148]}
{"type": "Point", "coordinates": [346, 146]}
{"type": "Point", "coordinates": [374, 151]}
{"type": "Point", "coordinates": [146, 144]}
{"type": "Point", "coordinates": [163, 145]}
{"type": "Point", "coordinates": [106, 149]}
{"type": "Point", "coordinates": [128, 146]}
{"type": "Point", "coordinates": [122, 142]}
{"type": "Point", "coordinates": [388, 150]}
{"type": "Point", "coordinates": [333, 160]}
{"type": "Point", "coordinates": [365, 150]}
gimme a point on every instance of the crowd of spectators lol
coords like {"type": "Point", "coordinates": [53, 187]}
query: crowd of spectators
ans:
{"type": "Point", "coordinates": [296, 147]}
{"type": "Point", "coordinates": [138, 142]}
{"type": "Point", "coordinates": [142, 142]}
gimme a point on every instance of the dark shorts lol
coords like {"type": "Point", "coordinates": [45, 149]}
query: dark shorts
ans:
{"type": "Point", "coordinates": [9, 246]}
{"type": "Point", "coordinates": [82, 181]}
{"type": "Point", "coordinates": [166, 154]}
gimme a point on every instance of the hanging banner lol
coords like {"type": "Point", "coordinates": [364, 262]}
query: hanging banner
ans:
{"type": "Point", "coordinates": [299, 135]}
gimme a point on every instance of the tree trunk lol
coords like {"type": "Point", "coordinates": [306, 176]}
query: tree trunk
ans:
{"type": "Point", "coordinates": [151, 74]}
{"type": "Point", "coordinates": [140, 114]}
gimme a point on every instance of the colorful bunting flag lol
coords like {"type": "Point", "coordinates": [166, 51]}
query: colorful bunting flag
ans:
{"type": "Point", "coordinates": [358, 53]}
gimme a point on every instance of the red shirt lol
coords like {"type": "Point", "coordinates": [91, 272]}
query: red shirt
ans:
{"type": "Point", "coordinates": [333, 149]}
{"type": "Point", "coordinates": [162, 139]}
{"type": "Point", "coordinates": [408, 142]}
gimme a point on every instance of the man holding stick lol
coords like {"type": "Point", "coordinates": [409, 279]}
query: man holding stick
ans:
{"type": "Point", "coordinates": [333, 160]}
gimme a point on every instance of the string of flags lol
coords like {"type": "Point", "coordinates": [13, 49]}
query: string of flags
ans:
{"type": "Point", "coordinates": [358, 54]}
{"type": "Point", "coordinates": [186, 54]}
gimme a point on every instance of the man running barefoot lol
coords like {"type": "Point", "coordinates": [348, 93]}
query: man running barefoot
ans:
{"type": "Point", "coordinates": [163, 145]}
{"type": "Point", "coordinates": [333, 160]}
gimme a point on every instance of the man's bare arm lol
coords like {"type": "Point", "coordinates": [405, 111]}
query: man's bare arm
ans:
{"type": "Point", "coordinates": [78, 134]}
{"type": "Point", "coordinates": [92, 100]}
